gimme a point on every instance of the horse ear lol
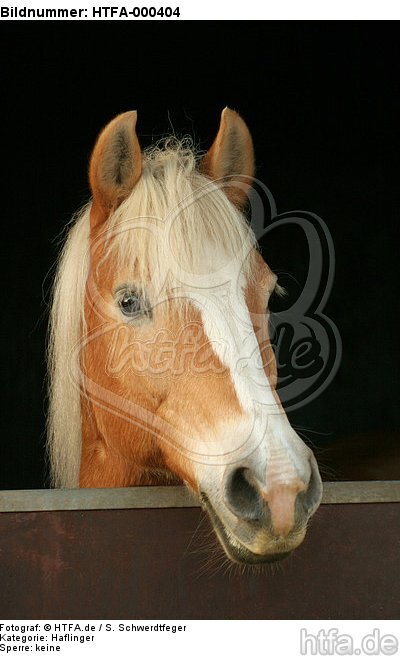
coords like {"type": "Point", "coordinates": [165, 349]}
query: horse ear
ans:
{"type": "Point", "coordinates": [231, 157]}
{"type": "Point", "coordinates": [115, 166]}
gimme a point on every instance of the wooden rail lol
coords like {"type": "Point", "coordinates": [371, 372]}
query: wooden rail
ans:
{"type": "Point", "coordinates": [173, 497]}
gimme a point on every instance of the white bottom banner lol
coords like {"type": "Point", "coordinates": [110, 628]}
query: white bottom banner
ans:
{"type": "Point", "coordinates": [274, 637]}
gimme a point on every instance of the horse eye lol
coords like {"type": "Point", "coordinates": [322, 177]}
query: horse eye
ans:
{"type": "Point", "coordinates": [132, 304]}
{"type": "Point", "coordinates": [129, 304]}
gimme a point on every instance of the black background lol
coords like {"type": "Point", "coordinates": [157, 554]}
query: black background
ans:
{"type": "Point", "coordinates": [322, 103]}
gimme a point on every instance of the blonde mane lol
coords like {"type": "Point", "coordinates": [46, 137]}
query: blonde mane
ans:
{"type": "Point", "coordinates": [171, 222]}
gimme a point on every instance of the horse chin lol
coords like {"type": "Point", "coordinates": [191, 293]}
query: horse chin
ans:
{"type": "Point", "coordinates": [234, 549]}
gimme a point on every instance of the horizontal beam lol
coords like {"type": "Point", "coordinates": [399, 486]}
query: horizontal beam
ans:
{"type": "Point", "coordinates": [172, 497]}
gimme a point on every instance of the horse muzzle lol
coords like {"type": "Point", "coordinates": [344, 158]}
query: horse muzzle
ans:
{"type": "Point", "coordinates": [257, 524]}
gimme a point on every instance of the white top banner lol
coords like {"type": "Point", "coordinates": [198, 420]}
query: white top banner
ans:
{"type": "Point", "coordinates": [168, 10]}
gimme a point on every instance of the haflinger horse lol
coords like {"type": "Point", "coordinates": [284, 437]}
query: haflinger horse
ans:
{"type": "Point", "coordinates": [161, 368]}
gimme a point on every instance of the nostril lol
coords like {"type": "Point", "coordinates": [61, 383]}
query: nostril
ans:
{"type": "Point", "coordinates": [242, 495]}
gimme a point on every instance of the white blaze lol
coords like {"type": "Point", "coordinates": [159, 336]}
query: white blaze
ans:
{"type": "Point", "coordinates": [264, 438]}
